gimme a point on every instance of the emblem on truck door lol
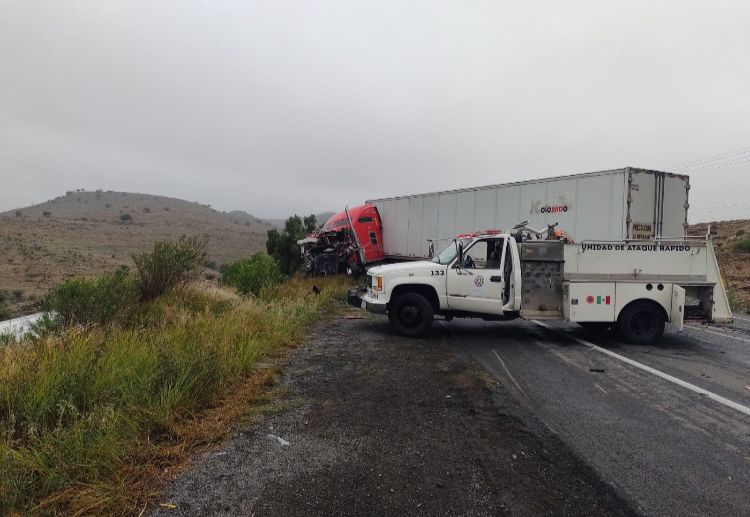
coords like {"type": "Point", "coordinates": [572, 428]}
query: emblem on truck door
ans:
{"type": "Point", "coordinates": [479, 281]}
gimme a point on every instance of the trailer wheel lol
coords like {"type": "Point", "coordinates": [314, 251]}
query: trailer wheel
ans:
{"type": "Point", "coordinates": [411, 315]}
{"type": "Point", "coordinates": [641, 323]}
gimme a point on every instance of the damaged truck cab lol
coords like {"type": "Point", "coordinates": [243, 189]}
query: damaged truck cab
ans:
{"type": "Point", "coordinates": [345, 243]}
{"type": "Point", "coordinates": [635, 287]}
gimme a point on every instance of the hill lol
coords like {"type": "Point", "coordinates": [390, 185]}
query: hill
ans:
{"type": "Point", "coordinates": [735, 266]}
{"type": "Point", "coordinates": [83, 233]}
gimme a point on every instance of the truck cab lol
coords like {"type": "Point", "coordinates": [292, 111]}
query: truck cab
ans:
{"type": "Point", "coordinates": [635, 287]}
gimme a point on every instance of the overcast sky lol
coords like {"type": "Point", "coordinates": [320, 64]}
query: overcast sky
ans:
{"type": "Point", "coordinates": [281, 106]}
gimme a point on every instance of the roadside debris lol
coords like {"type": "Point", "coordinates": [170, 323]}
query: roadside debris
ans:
{"type": "Point", "coordinates": [596, 370]}
{"type": "Point", "coordinates": [168, 506]}
{"type": "Point", "coordinates": [278, 439]}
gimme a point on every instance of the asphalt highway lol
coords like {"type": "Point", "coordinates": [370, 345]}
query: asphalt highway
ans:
{"type": "Point", "coordinates": [667, 425]}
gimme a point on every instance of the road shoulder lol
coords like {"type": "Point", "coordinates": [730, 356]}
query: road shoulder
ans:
{"type": "Point", "coordinates": [390, 426]}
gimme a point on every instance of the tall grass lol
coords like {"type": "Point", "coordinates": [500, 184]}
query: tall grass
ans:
{"type": "Point", "coordinates": [75, 406]}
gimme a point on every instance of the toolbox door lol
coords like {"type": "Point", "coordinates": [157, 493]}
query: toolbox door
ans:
{"type": "Point", "coordinates": [677, 314]}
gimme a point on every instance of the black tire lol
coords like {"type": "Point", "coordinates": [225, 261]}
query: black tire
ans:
{"type": "Point", "coordinates": [641, 323]}
{"type": "Point", "coordinates": [411, 315]}
{"type": "Point", "coordinates": [595, 326]}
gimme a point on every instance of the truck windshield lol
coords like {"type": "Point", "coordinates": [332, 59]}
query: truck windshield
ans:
{"type": "Point", "coordinates": [446, 256]}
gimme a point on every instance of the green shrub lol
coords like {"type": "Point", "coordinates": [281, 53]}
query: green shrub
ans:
{"type": "Point", "coordinates": [283, 247]}
{"type": "Point", "coordinates": [252, 275]}
{"type": "Point", "coordinates": [742, 245]}
{"type": "Point", "coordinates": [170, 265]}
{"type": "Point", "coordinates": [734, 305]}
{"type": "Point", "coordinates": [126, 218]}
{"type": "Point", "coordinates": [79, 301]}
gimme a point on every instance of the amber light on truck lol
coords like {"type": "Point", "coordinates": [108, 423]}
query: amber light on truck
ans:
{"type": "Point", "coordinates": [377, 283]}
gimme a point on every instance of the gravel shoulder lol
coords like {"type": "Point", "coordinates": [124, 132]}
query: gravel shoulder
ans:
{"type": "Point", "coordinates": [389, 426]}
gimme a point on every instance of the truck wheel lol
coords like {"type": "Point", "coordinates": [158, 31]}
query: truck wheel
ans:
{"type": "Point", "coordinates": [641, 323]}
{"type": "Point", "coordinates": [353, 270]}
{"type": "Point", "coordinates": [411, 315]}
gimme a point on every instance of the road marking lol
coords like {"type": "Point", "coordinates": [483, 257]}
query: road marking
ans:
{"type": "Point", "coordinates": [740, 318]}
{"type": "Point", "coordinates": [674, 380]}
{"type": "Point", "coordinates": [719, 333]}
{"type": "Point", "coordinates": [600, 388]}
{"type": "Point", "coordinates": [510, 374]}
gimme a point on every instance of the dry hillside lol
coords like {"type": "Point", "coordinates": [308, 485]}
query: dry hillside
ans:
{"type": "Point", "coordinates": [82, 233]}
{"type": "Point", "coordinates": [735, 266]}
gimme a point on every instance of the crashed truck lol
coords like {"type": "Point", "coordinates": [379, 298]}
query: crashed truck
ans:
{"type": "Point", "coordinates": [619, 204]}
{"type": "Point", "coordinates": [347, 242]}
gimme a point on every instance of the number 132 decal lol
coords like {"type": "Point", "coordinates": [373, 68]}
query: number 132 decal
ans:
{"type": "Point", "coordinates": [438, 272]}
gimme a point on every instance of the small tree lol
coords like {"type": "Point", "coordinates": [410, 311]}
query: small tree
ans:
{"type": "Point", "coordinates": [126, 218]}
{"type": "Point", "coordinates": [19, 213]}
{"type": "Point", "coordinates": [170, 265]}
{"type": "Point", "coordinates": [282, 246]}
{"type": "Point", "coordinates": [46, 214]}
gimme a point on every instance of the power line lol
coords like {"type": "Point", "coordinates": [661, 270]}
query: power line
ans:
{"type": "Point", "coordinates": [710, 159]}
{"type": "Point", "coordinates": [719, 166]}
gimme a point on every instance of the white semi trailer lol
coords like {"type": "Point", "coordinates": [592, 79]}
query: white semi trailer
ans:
{"type": "Point", "coordinates": [618, 204]}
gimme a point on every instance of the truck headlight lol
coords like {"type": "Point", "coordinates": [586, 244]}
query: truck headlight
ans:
{"type": "Point", "coordinates": [377, 283]}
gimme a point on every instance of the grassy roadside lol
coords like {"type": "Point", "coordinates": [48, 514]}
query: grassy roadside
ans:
{"type": "Point", "coordinates": [89, 417]}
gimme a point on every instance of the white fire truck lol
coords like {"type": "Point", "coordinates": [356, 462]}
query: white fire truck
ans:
{"type": "Point", "coordinates": [634, 286]}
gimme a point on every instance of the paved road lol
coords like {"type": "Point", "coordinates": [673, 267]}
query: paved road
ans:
{"type": "Point", "coordinates": [667, 449]}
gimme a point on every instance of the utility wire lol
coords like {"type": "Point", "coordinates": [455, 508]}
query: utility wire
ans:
{"type": "Point", "coordinates": [712, 158]}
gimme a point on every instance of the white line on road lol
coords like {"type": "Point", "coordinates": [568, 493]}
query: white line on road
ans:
{"type": "Point", "coordinates": [692, 387]}
{"type": "Point", "coordinates": [718, 333]}
{"type": "Point", "coordinates": [740, 318]}
{"type": "Point", "coordinates": [510, 374]}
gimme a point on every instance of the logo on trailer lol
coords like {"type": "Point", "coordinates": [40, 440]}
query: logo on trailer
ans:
{"type": "Point", "coordinates": [479, 281]}
{"type": "Point", "coordinates": [599, 300]}
{"type": "Point", "coordinates": [539, 208]}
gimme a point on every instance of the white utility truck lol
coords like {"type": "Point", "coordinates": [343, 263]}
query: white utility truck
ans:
{"type": "Point", "coordinates": [635, 286]}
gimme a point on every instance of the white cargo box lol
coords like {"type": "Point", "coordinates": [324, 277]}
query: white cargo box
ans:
{"type": "Point", "coordinates": [609, 205]}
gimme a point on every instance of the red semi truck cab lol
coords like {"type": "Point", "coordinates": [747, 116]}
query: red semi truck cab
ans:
{"type": "Point", "coordinates": [348, 241]}
{"type": "Point", "coordinates": [364, 222]}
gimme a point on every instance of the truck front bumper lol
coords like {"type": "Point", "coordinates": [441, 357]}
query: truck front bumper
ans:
{"type": "Point", "coordinates": [359, 299]}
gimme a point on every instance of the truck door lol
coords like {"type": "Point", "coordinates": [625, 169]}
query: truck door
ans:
{"type": "Point", "coordinates": [477, 285]}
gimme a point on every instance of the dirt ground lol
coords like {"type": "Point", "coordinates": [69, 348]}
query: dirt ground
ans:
{"type": "Point", "coordinates": [381, 425]}
{"type": "Point", "coordinates": [82, 235]}
{"type": "Point", "coordinates": [735, 267]}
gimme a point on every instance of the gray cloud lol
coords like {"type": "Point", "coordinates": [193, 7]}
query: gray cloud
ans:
{"type": "Point", "coordinates": [283, 106]}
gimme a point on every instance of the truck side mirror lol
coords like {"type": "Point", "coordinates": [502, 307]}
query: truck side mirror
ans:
{"type": "Point", "coordinates": [460, 255]}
